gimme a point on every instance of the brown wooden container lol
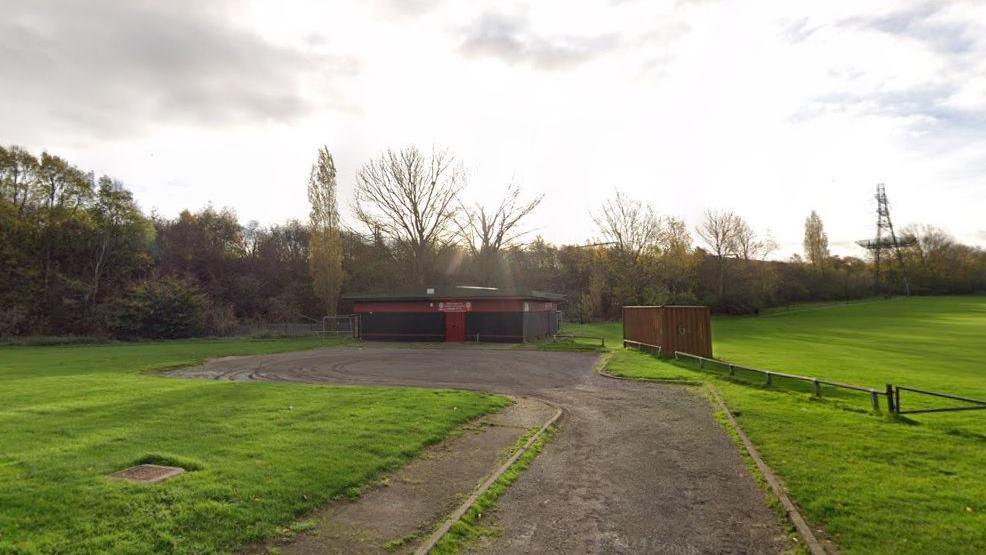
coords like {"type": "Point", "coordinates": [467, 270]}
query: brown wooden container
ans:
{"type": "Point", "coordinates": [673, 328]}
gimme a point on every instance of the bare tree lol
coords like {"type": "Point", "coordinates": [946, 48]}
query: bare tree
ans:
{"type": "Point", "coordinates": [629, 224]}
{"type": "Point", "coordinates": [486, 233]}
{"type": "Point", "coordinates": [749, 245]}
{"type": "Point", "coordinates": [936, 254]}
{"type": "Point", "coordinates": [930, 239]}
{"type": "Point", "coordinates": [720, 232]}
{"type": "Point", "coordinates": [410, 198]}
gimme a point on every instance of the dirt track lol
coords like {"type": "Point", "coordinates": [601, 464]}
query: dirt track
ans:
{"type": "Point", "coordinates": [636, 467]}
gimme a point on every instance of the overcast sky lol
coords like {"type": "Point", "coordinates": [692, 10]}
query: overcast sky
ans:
{"type": "Point", "coordinates": [769, 109]}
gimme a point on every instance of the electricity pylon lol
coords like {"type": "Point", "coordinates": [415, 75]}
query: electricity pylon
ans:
{"type": "Point", "coordinates": [887, 240]}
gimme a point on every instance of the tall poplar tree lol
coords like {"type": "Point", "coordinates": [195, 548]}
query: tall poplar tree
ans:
{"type": "Point", "coordinates": [325, 242]}
{"type": "Point", "coordinates": [816, 242]}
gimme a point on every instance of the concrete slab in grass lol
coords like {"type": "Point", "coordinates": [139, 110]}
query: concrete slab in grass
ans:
{"type": "Point", "coordinates": [148, 473]}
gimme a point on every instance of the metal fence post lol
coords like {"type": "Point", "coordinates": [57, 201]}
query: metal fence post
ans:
{"type": "Point", "coordinates": [876, 400]}
{"type": "Point", "coordinates": [769, 380]}
{"type": "Point", "coordinates": [818, 387]}
{"type": "Point", "coordinates": [701, 363]}
{"type": "Point", "coordinates": [890, 399]}
{"type": "Point", "coordinates": [732, 371]}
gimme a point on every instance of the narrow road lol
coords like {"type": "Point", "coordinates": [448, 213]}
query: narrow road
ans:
{"type": "Point", "coordinates": [636, 467]}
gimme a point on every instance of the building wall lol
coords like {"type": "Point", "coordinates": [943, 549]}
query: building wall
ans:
{"type": "Point", "coordinates": [442, 305]}
{"type": "Point", "coordinates": [498, 327]}
{"type": "Point", "coordinates": [493, 320]}
{"type": "Point", "coordinates": [540, 324]}
{"type": "Point", "coordinates": [402, 326]}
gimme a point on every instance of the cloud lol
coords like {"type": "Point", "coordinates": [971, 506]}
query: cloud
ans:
{"type": "Point", "coordinates": [409, 8]}
{"type": "Point", "coordinates": [800, 30]}
{"type": "Point", "coordinates": [940, 93]}
{"type": "Point", "coordinates": [927, 107]}
{"type": "Point", "coordinates": [928, 23]}
{"type": "Point", "coordinates": [110, 68]}
{"type": "Point", "coordinates": [956, 36]}
{"type": "Point", "coordinates": [511, 39]}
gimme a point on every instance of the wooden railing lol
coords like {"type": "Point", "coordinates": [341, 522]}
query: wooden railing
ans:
{"type": "Point", "coordinates": [656, 349]}
{"type": "Point", "coordinates": [976, 403]}
{"type": "Point", "coordinates": [769, 376]}
{"type": "Point", "coordinates": [573, 337]}
{"type": "Point", "coordinates": [891, 393]}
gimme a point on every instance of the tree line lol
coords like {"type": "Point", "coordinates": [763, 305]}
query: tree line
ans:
{"type": "Point", "coordinates": [79, 257]}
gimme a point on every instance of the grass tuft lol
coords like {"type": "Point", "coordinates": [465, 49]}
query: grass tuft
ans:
{"type": "Point", "coordinates": [396, 544]}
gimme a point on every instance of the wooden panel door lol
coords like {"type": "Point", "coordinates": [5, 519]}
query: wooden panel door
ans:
{"type": "Point", "coordinates": [455, 326]}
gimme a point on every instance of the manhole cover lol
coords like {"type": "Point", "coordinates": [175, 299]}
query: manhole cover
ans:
{"type": "Point", "coordinates": [148, 473]}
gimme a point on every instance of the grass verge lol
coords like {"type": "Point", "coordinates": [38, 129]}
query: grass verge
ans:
{"type": "Point", "coordinates": [471, 526]}
{"type": "Point", "coordinates": [798, 531]}
{"type": "Point", "coordinates": [259, 455]}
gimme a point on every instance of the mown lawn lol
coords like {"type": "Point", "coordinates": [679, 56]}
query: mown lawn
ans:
{"type": "Point", "coordinates": [612, 331]}
{"type": "Point", "coordinates": [936, 343]}
{"type": "Point", "coordinates": [874, 484]}
{"type": "Point", "coordinates": [261, 454]}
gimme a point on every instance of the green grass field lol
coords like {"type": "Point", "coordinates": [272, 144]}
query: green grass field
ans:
{"type": "Point", "coordinates": [872, 483]}
{"type": "Point", "coordinates": [262, 454]}
{"type": "Point", "coordinates": [938, 343]}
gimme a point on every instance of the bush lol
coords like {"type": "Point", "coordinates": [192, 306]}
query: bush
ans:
{"type": "Point", "coordinates": [13, 320]}
{"type": "Point", "coordinates": [220, 320]}
{"type": "Point", "coordinates": [50, 340]}
{"type": "Point", "coordinates": [167, 308]}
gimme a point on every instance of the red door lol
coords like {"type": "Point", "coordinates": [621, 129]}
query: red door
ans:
{"type": "Point", "coordinates": [455, 326]}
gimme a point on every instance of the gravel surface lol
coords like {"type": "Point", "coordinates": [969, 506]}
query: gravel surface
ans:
{"type": "Point", "coordinates": [636, 467]}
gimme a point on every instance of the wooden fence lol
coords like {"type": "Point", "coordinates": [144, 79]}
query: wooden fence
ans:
{"type": "Point", "coordinates": [891, 394]}
{"type": "Point", "coordinates": [975, 404]}
{"type": "Point", "coordinates": [640, 346]}
{"type": "Point", "coordinates": [572, 337]}
{"type": "Point", "coordinates": [277, 329]}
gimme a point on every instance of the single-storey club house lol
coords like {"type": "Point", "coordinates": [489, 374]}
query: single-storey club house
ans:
{"type": "Point", "coordinates": [456, 313]}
